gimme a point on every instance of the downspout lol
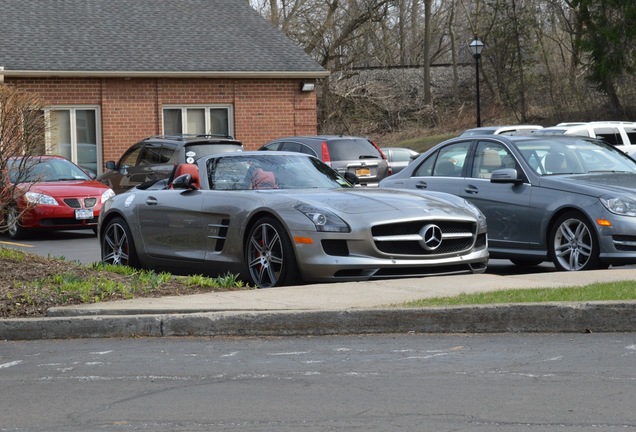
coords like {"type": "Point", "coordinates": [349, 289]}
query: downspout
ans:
{"type": "Point", "coordinates": [1, 75]}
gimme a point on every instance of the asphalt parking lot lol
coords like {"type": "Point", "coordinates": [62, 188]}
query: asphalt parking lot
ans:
{"type": "Point", "coordinates": [77, 245]}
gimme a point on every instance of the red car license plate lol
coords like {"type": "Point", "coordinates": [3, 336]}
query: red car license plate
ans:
{"type": "Point", "coordinates": [82, 214]}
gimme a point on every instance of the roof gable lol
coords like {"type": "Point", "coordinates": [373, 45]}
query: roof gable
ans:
{"type": "Point", "coordinates": [145, 37]}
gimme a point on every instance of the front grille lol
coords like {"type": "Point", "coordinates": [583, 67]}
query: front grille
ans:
{"type": "Point", "coordinates": [77, 203]}
{"type": "Point", "coordinates": [90, 202]}
{"type": "Point", "coordinates": [407, 238]}
{"type": "Point", "coordinates": [415, 248]}
{"type": "Point", "coordinates": [73, 202]}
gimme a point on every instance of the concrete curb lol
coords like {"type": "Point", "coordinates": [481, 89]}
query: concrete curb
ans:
{"type": "Point", "coordinates": [538, 317]}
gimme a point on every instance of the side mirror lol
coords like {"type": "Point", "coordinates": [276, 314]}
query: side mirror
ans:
{"type": "Point", "coordinates": [351, 178]}
{"type": "Point", "coordinates": [110, 165]}
{"type": "Point", "coordinates": [505, 175]}
{"type": "Point", "coordinates": [184, 182]}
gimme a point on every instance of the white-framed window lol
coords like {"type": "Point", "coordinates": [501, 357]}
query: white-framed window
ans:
{"type": "Point", "coordinates": [75, 133]}
{"type": "Point", "coordinates": [198, 119]}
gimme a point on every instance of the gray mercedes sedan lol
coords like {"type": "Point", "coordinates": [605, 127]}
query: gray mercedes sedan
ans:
{"type": "Point", "coordinates": [278, 218]}
{"type": "Point", "coordinates": [569, 200]}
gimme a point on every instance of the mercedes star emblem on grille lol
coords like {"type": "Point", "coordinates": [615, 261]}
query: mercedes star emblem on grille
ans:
{"type": "Point", "coordinates": [431, 237]}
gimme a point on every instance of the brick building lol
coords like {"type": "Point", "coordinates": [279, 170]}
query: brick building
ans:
{"type": "Point", "coordinates": [115, 71]}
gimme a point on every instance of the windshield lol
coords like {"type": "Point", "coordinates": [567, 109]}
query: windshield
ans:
{"type": "Point", "coordinates": [44, 170]}
{"type": "Point", "coordinates": [244, 172]}
{"type": "Point", "coordinates": [580, 156]}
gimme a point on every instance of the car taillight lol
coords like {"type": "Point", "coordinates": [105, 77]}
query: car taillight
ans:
{"type": "Point", "coordinates": [325, 153]}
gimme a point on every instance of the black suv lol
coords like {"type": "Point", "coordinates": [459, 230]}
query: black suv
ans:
{"type": "Point", "coordinates": [153, 159]}
{"type": "Point", "coordinates": [343, 153]}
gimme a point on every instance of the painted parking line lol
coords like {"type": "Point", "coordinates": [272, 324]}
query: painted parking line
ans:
{"type": "Point", "coordinates": [16, 244]}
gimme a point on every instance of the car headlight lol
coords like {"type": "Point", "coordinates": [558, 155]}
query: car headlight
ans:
{"type": "Point", "coordinates": [39, 198]}
{"type": "Point", "coordinates": [108, 195]}
{"type": "Point", "coordinates": [619, 205]}
{"type": "Point", "coordinates": [324, 220]}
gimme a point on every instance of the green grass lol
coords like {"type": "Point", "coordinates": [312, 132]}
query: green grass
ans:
{"type": "Point", "coordinates": [623, 290]}
{"type": "Point", "coordinates": [12, 254]}
{"type": "Point", "coordinates": [57, 282]}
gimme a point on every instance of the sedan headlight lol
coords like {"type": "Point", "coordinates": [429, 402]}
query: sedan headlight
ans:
{"type": "Point", "coordinates": [619, 205]}
{"type": "Point", "coordinates": [39, 198]}
{"type": "Point", "coordinates": [324, 220]}
{"type": "Point", "coordinates": [108, 195]}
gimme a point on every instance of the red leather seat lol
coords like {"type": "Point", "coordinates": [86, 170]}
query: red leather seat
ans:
{"type": "Point", "coordinates": [264, 180]}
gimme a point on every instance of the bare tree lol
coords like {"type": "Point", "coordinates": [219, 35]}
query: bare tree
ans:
{"type": "Point", "coordinates": [22, 129]}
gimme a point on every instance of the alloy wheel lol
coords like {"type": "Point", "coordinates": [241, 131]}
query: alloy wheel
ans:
{"type": "Point", "coordinates": [265, 255]}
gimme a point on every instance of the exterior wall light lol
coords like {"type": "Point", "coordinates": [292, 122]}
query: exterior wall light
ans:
{"type": "Point", "coordinates": [307, 87]}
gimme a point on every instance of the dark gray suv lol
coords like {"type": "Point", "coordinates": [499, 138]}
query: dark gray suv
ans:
{"type": "Point", "coordinates": [153, 159]}
{"type": "Point", "coordinates": [343, 153]}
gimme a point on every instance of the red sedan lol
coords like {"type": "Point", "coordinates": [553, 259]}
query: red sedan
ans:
{"type": "Point", "coordinates": [51, 192]}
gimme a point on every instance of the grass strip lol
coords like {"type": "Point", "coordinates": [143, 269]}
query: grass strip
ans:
{"type": "Point", "coordinates": [607, 291]}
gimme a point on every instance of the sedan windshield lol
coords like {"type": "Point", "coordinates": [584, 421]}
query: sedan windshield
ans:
{"type": "Point", "coordinates": [245, 172]}
{"type": "Point", "coordinates": [31, 170]}
{"type": "Point", "coordinates": [580, 156]}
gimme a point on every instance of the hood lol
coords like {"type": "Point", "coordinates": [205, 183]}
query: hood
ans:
{"type": "Point", "coordinates": [69, 188]}
{"type": "Point", "coordinates": [366, 200]}
{"type": "Point", "coordinates": [594, 184]}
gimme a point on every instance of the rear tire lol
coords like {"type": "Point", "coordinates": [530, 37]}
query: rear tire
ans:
{"type": "Point", "coordinates": [117, 244]}
{"type": "Point", "coordinates": [269, 255]}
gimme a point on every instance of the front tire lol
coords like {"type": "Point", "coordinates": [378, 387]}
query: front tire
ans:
{"type": "Point", "coordinates": [117, 244]}
{"type": "Point", "coordinates": [573, 244]}
{"type": "Point", "coordinates": [269, 255]}
{"type": "Point", "coordinates": [15, 231]}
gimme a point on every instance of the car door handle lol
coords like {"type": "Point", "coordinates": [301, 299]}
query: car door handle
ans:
{"type": "Point", "coordinates": [421, 185]}
{"type": "Point", "coordinates": [151, 201]}
{"type": "Point", "coordinates": [470, 189]}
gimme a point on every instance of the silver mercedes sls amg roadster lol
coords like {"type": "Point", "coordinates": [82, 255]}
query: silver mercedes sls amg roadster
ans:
{"type": "Point", "coordinates": [276, 218]}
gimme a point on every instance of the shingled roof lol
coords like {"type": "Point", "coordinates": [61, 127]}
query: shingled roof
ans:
{"type": "Point", "coordinates": [211, 38]}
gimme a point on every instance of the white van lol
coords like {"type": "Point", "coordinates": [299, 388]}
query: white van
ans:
{"type": "Point", "coordinates": [622, 135]}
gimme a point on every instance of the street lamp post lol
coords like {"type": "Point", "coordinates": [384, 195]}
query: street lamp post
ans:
{"type": "Point", "coordinates": [476, 46]}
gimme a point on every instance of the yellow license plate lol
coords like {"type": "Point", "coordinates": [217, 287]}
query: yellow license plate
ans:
{"type": "Point", "coordinates": [361, 172]}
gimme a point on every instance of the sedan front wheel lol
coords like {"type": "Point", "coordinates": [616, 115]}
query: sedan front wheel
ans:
{"type": "Point", "coordinates": [573, 244]}
{"type": "Point", "coordinates": [14, 226]}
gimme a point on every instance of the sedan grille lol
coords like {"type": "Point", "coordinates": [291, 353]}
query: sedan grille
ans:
{"type": "Point", "coordinates": [90, 202]}
{"type": "Point", "coordinates": [77, 203]}
{"type": "Point", "coordinates": [72, 202]}
{"type": "Point", "coordinates": [424, 237]}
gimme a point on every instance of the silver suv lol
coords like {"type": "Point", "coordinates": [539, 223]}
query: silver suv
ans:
{"type": "Point", "coordinates": [356, 155]}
